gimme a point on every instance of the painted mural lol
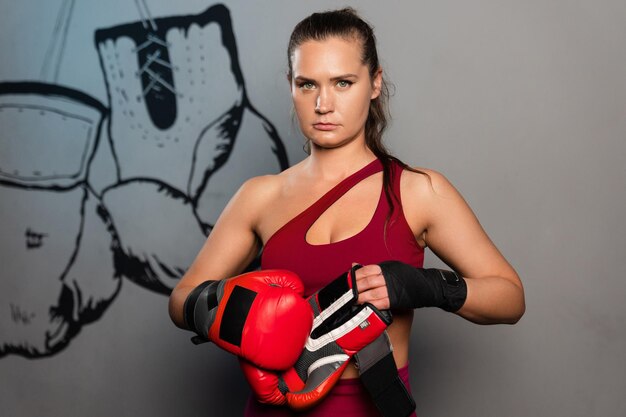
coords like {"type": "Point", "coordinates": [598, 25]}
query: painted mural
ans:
{"type": "Point", "coordinates": [183, 136]}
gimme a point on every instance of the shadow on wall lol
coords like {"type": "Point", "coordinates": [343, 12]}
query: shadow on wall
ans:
{"type": "Point", "coordinates": [183, 137]}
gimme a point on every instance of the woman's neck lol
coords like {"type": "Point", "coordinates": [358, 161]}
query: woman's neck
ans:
{"type": "Point", "coordinates": [335, 164]}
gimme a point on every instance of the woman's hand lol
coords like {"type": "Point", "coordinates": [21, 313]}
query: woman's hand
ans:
{"type": "Point", "coordinates": [371, 286]}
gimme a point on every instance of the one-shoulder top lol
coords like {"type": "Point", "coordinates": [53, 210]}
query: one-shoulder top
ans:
{"type": "Point", "coordinates": [317, 265]}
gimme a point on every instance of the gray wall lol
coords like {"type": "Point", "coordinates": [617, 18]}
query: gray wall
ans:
{"type": "Point", "coordinates": [521, 104]}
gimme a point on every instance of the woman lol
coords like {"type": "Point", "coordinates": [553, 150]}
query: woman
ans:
{"type": "Point", "coordinates": [351, 202]}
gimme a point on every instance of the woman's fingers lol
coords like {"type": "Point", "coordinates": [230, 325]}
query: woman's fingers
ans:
{"type": "Point", "coordinates": [371, 287]}
{"type": "Point", "coordinates": [369, 276]}
{"type": "Point", "coordinates": [374, 297]}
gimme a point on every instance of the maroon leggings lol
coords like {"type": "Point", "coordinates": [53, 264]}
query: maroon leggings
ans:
{"type": "Point", "coordinates": [347, 399]}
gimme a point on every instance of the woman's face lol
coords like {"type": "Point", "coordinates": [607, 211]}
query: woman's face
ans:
{"type": "Point", "coordinates": [331, 90]}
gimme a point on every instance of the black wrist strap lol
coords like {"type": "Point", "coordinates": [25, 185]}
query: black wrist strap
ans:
{"type": "Point", "coordinates": [379, 375]}
{"type": "Point", "coordinates": [410, 287]}
{"type": "Point", "coordinates": [454, 290]}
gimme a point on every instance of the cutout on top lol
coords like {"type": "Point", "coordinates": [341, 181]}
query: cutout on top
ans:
{"type": "Point", "coordinates": [349, 215]}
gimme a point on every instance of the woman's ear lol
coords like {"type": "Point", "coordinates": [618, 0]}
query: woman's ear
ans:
{"type": "Point", "coordinates": [377, 83]}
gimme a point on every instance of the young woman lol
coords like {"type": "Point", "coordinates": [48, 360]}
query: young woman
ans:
{"type": "Point", "coordinates": [349, 202]}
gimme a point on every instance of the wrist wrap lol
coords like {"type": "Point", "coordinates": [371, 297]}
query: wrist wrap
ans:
{"type": "Point", "coordinates": [411, 287]}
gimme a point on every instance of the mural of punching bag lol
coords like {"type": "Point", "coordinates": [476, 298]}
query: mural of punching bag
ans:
{"type": "Point", "coordinates": [184, 136]}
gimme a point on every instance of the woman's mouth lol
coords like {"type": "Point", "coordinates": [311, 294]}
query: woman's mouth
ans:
{"type": "Point", "coordinates": [324, 126]}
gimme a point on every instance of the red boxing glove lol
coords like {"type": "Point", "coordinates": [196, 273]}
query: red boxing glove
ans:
{"type": "Point", "coordinates": [269, 387]}
{"type": "Point", "coordinates": [259, 316]}
{"type": "Point", "coordinates": [341, 328]}
{"type": "Point", "coordinates": [328, 351]}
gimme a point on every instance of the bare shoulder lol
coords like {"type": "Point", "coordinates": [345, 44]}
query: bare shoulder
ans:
{"type": "Point", "coordinates": [429, 198]}
{"type": "Point", "coordinates": [270, 185]}
{"type": "Point", "coordinates": [261, 187]}
{"type": "Point", "coordinates": [256, 193]}
{"type": "Point", "coordinates": [426, 184]}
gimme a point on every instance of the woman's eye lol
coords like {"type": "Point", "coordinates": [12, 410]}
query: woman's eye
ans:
{"type": "Point", "coordinates": [307, 85]}
{"type": "Point", "coordinates": [344, 83]}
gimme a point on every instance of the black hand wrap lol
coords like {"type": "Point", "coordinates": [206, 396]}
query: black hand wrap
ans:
{"type": "Point", "coordinates": [411, 287]}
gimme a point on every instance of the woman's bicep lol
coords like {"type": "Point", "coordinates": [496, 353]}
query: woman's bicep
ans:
{"type": "Point", "coordinates": [232, 244]}
{"type": "Point", "coordinates": [229, 248]}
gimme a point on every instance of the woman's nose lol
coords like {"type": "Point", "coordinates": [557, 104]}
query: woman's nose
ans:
{"type": "Point", "coordinates": [324, 102]}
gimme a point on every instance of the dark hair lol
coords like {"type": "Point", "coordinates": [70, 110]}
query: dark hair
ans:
{"type": "Point", "coordinates": [347, 24]}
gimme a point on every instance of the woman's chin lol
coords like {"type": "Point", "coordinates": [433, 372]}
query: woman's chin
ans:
{"type": "Point", "coordinates": [330, 141]}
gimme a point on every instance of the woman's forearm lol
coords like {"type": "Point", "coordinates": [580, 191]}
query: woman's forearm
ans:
{"type": "Point", "coordinates": [493, 300]}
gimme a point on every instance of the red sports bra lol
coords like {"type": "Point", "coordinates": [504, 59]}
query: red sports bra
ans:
{"type": "Point", "coordinates": [317, 265]}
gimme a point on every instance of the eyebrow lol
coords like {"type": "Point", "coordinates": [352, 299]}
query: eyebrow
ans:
{"type": "Point", "coordinates": [337, 78]}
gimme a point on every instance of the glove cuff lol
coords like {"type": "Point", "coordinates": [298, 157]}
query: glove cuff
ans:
{"type": "Point", "coordinates": [197, 307]}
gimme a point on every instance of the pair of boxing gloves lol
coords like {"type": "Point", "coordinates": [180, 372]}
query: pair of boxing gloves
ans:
{"type": "Point", "coordinates": [341, 328]}
{"type": "Point", "coordinates": [262, 318]}
{"type": "Point", "coordinates": [292, 350]}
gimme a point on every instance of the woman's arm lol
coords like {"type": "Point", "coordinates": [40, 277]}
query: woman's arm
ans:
{"type": "Point", "coordinates": [452, 231]}
{"type": "Point", "coordinates": [494, 290]}
{"type": "Point", "coordinates": [230, 247]}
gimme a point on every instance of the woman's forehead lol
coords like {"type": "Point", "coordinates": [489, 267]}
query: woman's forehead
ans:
{"type": "Point", "coordinates": [334, 54]}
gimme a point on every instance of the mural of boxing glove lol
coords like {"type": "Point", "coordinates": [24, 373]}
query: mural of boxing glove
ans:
{"type": "Point", "coordinates": [158, 223]}
{"type": "Point", "coordinates": [49, 286]}
{"type": "Point", "coordinates": [183, 133]}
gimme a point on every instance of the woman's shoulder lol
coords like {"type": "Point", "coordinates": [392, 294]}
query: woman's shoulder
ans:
{"type": "Point", "coordinates": [424, 180]}
{"type": "Point", "coordinates": [267, 187]}
{"type": "Point", "coordinates": [426, 196]}
{"type": "Point", "coordinates": [425, 190]}
{"type": "Point", "coordinates": [261, 187]}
